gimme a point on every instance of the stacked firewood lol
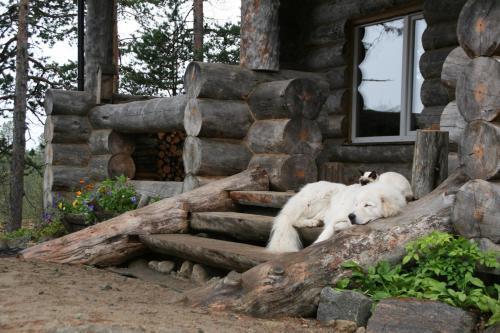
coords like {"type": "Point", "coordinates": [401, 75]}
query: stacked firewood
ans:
{"type": "Point", "coordinates": [169, 161]}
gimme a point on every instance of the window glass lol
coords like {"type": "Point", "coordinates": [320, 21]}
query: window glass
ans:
{"type": "Point", "coordinates": [418, 50]}
{"type": "Point", "coordinates": [381, 64]}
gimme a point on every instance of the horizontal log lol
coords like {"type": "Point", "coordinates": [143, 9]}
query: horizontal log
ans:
{"type": "Point", "coordinates": [212, 118]}
{"type": "Point", "coordinates": [475, 211]}
{"type": "Point", "coordinates": [333, 125]}
{"type": "Point", "coordinates": [434, 93]}
{"type": "Point", "coordinates": [453, 122]}
{"type": "Point", "coordinates": [337, 102]}
{"type": "Point", "coordinates": [431, 62]}
{"type": "Point", "coordinates": [259, 44]}
{"type": "Point", "coordinates": [331, 32]}
{"type": "Point", "coordinates": [67, 154]}
{"type": "Point", "coordinates": [63, 178]}
{"type": "Point", "coordinates": [286, 172]}
{"type": "Point", "coordinates": [441, 11]}
{"type": "Point", "coordinates": [111, 166]}
{"type": "Point", "coordinates": [124, 98]}
{"type": "Point", "coordinates": [220, 81]}
{"type": "Point", "coordinates": [440, 35]}
{"type": "Point", "coordinates": [101, 244]}
{"type": "Point", "coordinates": [107, 141]}
{"type": "Point", "coordinates": [211, 157]}
{"type": "Point", "coordinates": [337, 151]}
{"type": "Point", "coordinates": [338, 77]}
{"type": "Point", "coordinates": [191, 181]}
{"type": "Point", "coordinates": [326, 57]}
{"type": "Point", "coordinates": [156, 189]}
{"type": "Point", "coordinates": [327, 12]}
{"type": "Point", "coordinates": [72, 103]}
{"type": "Point", "coordinates": [154, 115]}
{"type": "Point", "coordinates": [453, 67]}
{"type": "Point", "coordinates": [478, 90]}
{"type": "Point", "coordinates": [478, 30]}
{"type": "Point", "coordinates": [287, 99]}
{"type": "Point", "coordinates": [66, 129]}
{"type": "Point", "coordinates": [285, 136]}
{"type": "Point", "coordinates": [479, 151]}
{"type": "Point", "coordinates": [269, 199]}
{"type": "Point", "coordinates": [429, 117]}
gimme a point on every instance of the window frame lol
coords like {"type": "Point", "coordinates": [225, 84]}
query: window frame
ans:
{"type": "Point", "coordinates": [406, 135]}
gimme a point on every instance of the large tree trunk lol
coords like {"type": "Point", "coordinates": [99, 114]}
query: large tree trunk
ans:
{"type": "Point", "coordinates": [290, 284]}
{"type": "Point", "coordinates": [112, 242]}
{"type": "Point", "coordinates": [18, 138]}
{"type": "Point", "coordinates": [198, 30]}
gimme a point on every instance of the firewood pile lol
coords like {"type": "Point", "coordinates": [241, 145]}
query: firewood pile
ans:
{"type": "Point", "coordinates": [169, 161]}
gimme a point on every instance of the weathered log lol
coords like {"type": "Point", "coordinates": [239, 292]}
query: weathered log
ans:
{"type": "Point", "coordinates": [73, 103]}
{"type": "Point", "coordinates": [66, 129]}
{"type": "Point", "coordinates": [338, 77]}
{"type": "Point", "coordinates": [434, 93]}
{"type": "Point", "coordinates": [441, 11]}
{"type": "Point", "coordinates": [111, 242]}
{"type": "Point", "coordinates": [478, 90]}
{"type": "Point", "coordinates": [452, 122]}
{"type": "Point", "coordinates": [123, 98]}
{"type": "Point", "coordinates": [220, 81]}
{"type": "Point", "coordinates": [290, 284]}
{"type": "Point", "coordinates": [326, 57]}
{"type": "Point", "coordinates": [335, 150]}
{"type": "Point", "coordinates": [430, 161]}
{"type": "Point", "coordinates": [269, 199]}
{"type": "Point", "coordinates": [111, 166]}
{"type": "Point", "coordinates": [431, 62]}
{"type": "Point", "coordinates": [430, 116]}
{"type": "Point", "coordinates": [107, 141]}
{"type": "Point", "coordinates": [285, 136]}
{"type": "Point", "coordinates": [452, 68]}
{"type": "Point", "coordinates": [287, 172]}
{"type": "Point", "coordinates": [191, 181]}
{"type": "Point", "coordinates": [439, 35]}
{"type": "Point", "coordinates": [348, 173]}
{"type": "Point", "coordinates": [67, 154]}
{"type": "Point", "coordinates": [154, 115]}
{"type": "Point", "coordinates": [333, 125]}
{"type": "Point", "coordinates": [476, 208]}
{"type": "Point", "coordinates": [63, 178]}
{"type": "Point", "coordinates": [259, 49]}
{"type": "Point", "coordinates": [287, 99]}
{"type": "Point", "coordinates": [212, 118]}
{"type": "Point", "coordinates": [331, 32]}
{"type": "Point", "coordinates": [480, 150]}
{"type": "Point", "coordinates": [478, 30]}
{"type": "Point", "coordinates": [154, 189]}
{"type": "Point", "coordinates": [337, 102]}
{"type": "Point", "coordinates": [214, 157]}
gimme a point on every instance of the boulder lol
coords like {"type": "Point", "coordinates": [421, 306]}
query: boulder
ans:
{"type": "Point", "coordinates": [486, 245]}
{"type": "Point", "coordinates": [199, 275]}
{"type": "Point", "coordinates": [408, 315]}
{"type": "Point", "coordinates": [344, 305]}
{"type": "Point", "coordinates": [186, 269]}
{"type": "Point", "coordinates": [165, 267]}
{"type": "Point", "coordinates": [493, 329]}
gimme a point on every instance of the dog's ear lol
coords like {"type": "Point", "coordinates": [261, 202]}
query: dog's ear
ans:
{"type": "Point", "coordinates": [390, 206]}
{"type": "Point", "coordinates": [373, 175]}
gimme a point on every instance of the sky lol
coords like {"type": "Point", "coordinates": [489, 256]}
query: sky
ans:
{"type": "Point", "coordinates": [219, 10]}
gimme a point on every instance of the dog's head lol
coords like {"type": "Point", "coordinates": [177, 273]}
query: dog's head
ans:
{"type": "Point", "coordinates": [367, 177]}
{"type": "Point", "coordinates": [376, 203]}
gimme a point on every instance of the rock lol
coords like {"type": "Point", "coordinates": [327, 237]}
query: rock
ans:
{"type": "Point", "coordinates": [361, 329]}
{"type": "Point", "coordinates": [344, 326]}
{"type": "Point", "coordinates": [405, 315]}
{"type": "Point", "coordinates": [165, 267]}
{"type": "Point", "coordinates": [3, 244]}
{"type": "Point", "coordinates": [186, 269]}
{"type": "Point", "coordinates": [106, 286]}
{"type": "Point", "coordinates": [344, 305]}
{"type": "Point", "coordinates": [153, 264]}
{"type": "Point", "coordinates": [486, 245]}
{"type": "Point", "coordinates": [493, 329]}
{"type": "Point", "coordinates": [199, 274]}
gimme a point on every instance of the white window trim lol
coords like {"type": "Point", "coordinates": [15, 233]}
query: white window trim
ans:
{"type": "Point", "coordinates": [406, 86]}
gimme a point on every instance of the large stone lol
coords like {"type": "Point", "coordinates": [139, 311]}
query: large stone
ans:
{"type": "Point", "coordinates": [493, 329]}
{"type": "Point", "coordinates": [344, 305]}
{"type": "Point", "coordinates": [487, 245]}
{"type": "Point", "coordinates": [409, 315]}
{"type": "Point", "coordinates": [186, 269]}
{"type": "Point", "coordinates": [199, 274]}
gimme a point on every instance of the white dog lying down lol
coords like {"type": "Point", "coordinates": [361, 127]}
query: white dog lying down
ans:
{"type": "Point", "coordinates": [310, 206]}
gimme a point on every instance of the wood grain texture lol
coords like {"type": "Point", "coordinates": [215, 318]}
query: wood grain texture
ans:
{"type": "Point", "coordinates": [440, 35]}
{"type": "Point", "coordinates": [66, 129]}
{"type": "Point", "coordinates": [67, 154]}
{"type": "Point", "coordinates": [453, 122]}
{"type": "Point", "coordinates": [261, 198]}
{"type": "Point", "coordinates": [74, 103]}
{"type": "Point", "coordinates": [107, 141]}
{"type": "Point", "coordinates": [453, 66]}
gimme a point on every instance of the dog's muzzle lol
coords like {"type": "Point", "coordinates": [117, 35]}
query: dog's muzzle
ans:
{"type": "Point", "coordinates": [352, 218]}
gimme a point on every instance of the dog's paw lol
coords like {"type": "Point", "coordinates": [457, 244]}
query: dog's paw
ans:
{"type": "Point", "coordinates": [311, 223]}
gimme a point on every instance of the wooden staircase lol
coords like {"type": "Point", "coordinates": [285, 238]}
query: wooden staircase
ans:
{"type": "Point", "coordinates": [232, 240]}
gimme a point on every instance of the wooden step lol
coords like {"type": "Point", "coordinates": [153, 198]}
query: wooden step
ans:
{"type": "Point", "coordinates": [243, 227]}
{"type": "Point", "coordinates": [261, 198]}
{"type": "Point", "coordinates": [212, 252]}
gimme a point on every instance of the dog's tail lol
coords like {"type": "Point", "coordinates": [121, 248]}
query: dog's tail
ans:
{"type": "Point", "coordinates": [284, 237]}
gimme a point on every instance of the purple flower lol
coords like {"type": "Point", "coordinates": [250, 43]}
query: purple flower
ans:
{"type": "Point", "coordinates": [91, 207]}
{"type": "Point", "coordinates": [133, 199]}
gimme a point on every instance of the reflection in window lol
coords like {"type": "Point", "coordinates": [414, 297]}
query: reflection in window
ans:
{"type": "Point", "coordinates": [418, 49]}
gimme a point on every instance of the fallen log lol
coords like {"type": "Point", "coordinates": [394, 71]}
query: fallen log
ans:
{"type": "Point", "coordinates": [113, 241]}
{"type": "Point", "coordinates": [290, 284]}
{"type": "Point", "coordinates": [72, 103]}
{"type": "Point", "coordinates": [191, 181]}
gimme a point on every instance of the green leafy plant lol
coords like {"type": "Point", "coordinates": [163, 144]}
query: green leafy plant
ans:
{"type": "Point", "coordinates": [440, 267]}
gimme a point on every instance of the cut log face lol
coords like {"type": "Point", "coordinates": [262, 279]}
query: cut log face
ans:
{"type": "Point", "coordinates": [476, 210]}
{"type": "Point", "coordinates": [67, 154]}
{"type": "Point", "coordinates": [149, 116]}
{"type": "Point", "coordinates": [111, 166]}
{"type": "Point", "coordinates": [67, 129]}
{"type": "Point", "coordinates": [453, 66]}
{"type": "Point", "coordinates": [478, 30]}
{"type": "Point", "coordinates": [478, 90]}
{"type": "Point", "coordinates": [110, 142]}
{"type": "Point", "coordinates": [453, 122]}
{"type": "Point", "coordinates": [287, 172]}
{"type": "Point", "coordinates": [287, 99]}
{"type": "Point", "coordinates": [290, 136]}
{"type": "Point", "coordinates": [260, 35]}
{"type": "Point", "coordinates": [290, 284]}
{"type": "Point", "coordinates": [480, 150]}
{"type": "Point", "coordinates": [212, 118]}
{"type": "Point", "coordinates": [211, 157]}
{"type": "Point", "coordinates": [74, 103]}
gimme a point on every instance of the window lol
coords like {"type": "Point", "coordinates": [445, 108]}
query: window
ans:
{"type": "Point", "coordinates": [387, 79]}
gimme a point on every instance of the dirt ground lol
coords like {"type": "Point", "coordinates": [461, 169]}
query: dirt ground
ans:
{"type": "Point", "coordinates": [44, 297]}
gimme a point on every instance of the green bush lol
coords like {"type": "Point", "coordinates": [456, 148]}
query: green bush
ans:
{"type": "Point", "coordinates": [436, 267]}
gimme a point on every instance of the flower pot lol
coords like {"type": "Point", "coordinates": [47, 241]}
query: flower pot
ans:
{"type": "Point", "coordinates": [74, 222]}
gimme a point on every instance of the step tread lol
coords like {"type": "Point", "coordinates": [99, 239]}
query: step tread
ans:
{"type": "Point", "coordinates": [261, 198]}
{"type": "Point", "coordinates": [229, 255]}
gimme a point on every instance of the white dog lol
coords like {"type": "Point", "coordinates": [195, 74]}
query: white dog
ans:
{"type": "Point", "coordinates": [305, 209]}
{"type": "Point", "coordinates": [393, 179]}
